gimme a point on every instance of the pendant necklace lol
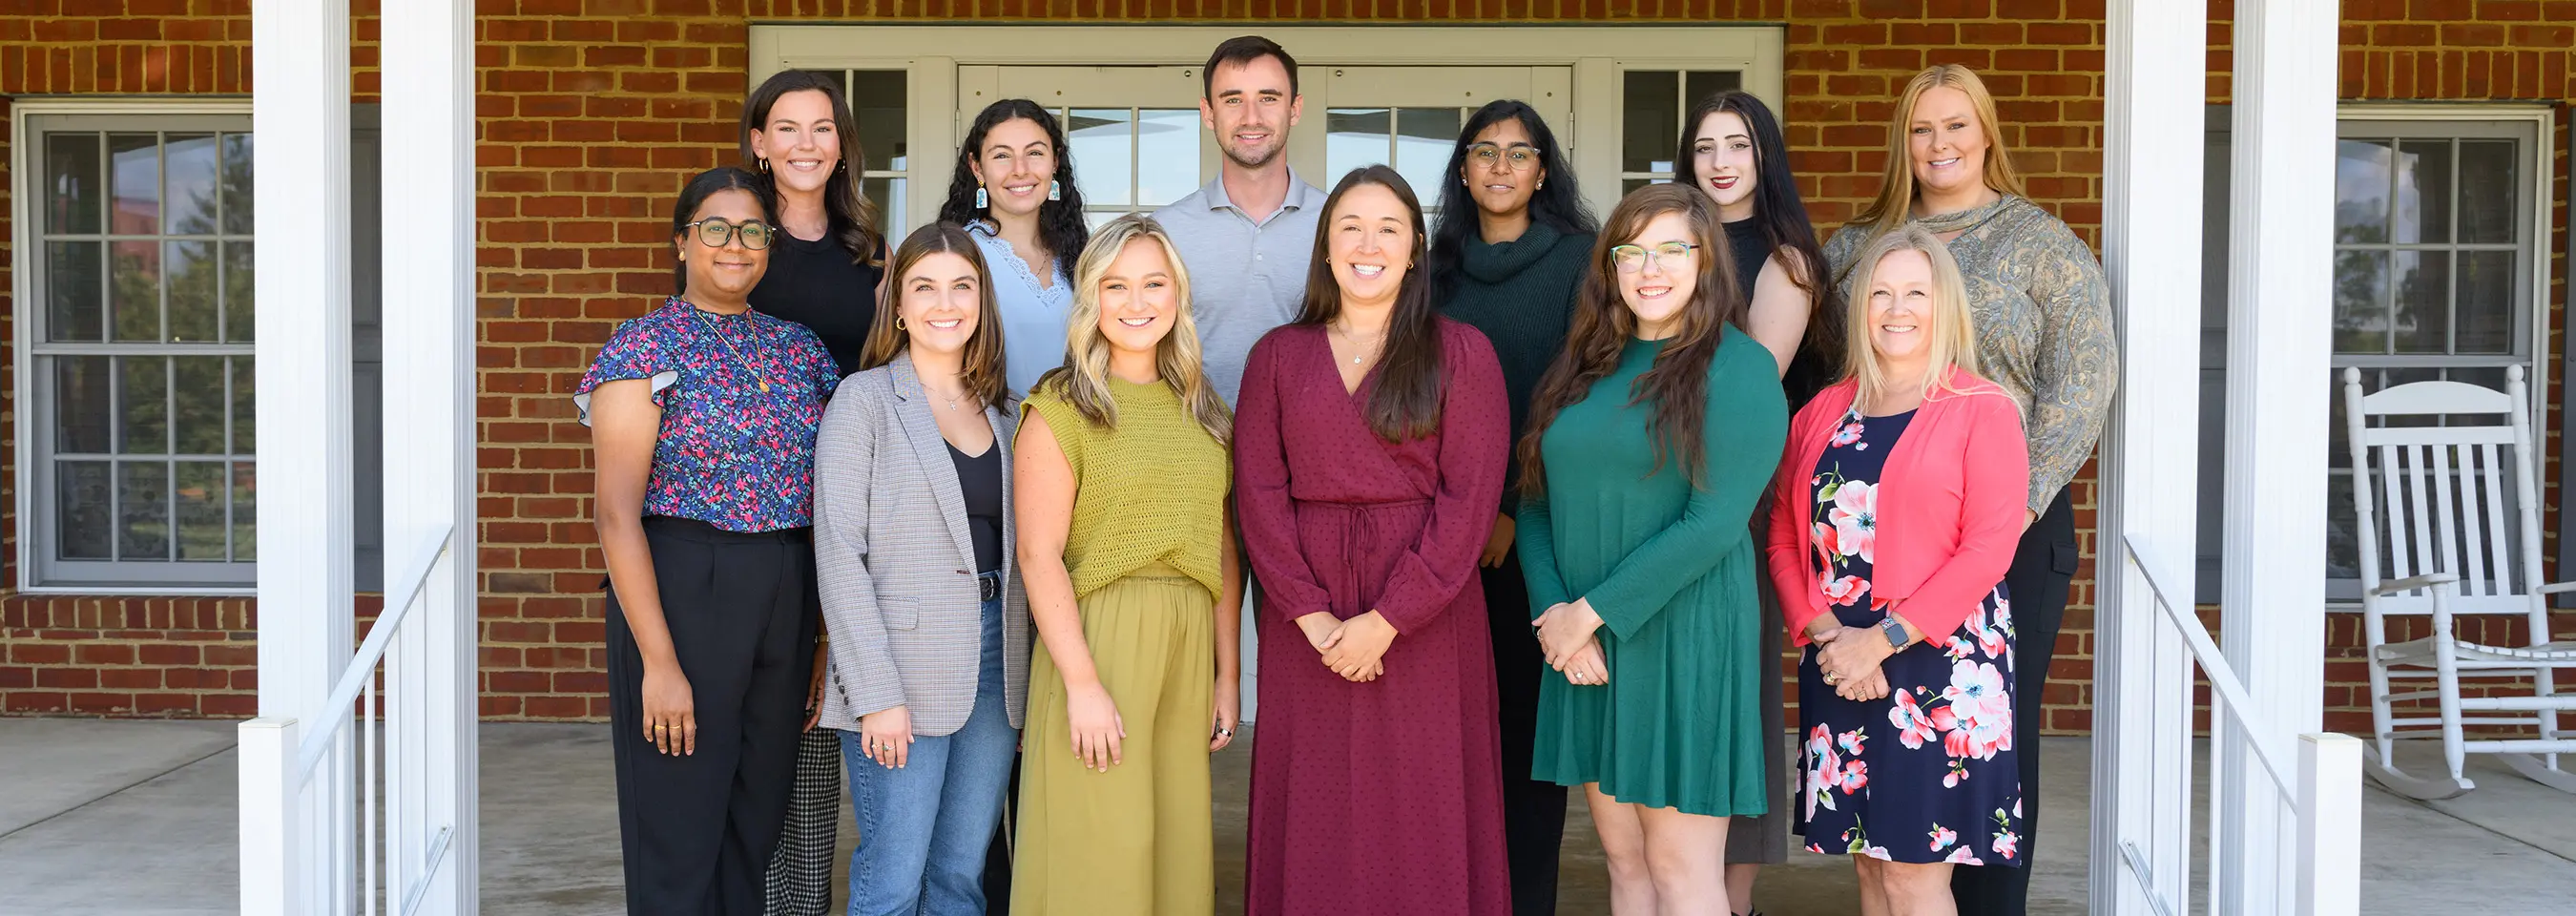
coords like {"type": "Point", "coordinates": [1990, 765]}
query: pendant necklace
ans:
{"type": "Point", "coordinates": [710, 325]}
{"type": "Point", "coordinates": [1372, 345]}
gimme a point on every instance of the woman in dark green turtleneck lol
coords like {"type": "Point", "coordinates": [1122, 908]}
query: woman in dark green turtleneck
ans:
{"type": "Point", "coordinates": [1508, 257]}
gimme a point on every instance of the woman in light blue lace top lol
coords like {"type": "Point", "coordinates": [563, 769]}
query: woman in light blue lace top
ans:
{"type": "Point", "coordinates": [1014, 192]}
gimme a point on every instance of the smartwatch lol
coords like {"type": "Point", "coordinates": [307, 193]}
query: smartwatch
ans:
{"type": "Point", "coordinates": [1895, 633]}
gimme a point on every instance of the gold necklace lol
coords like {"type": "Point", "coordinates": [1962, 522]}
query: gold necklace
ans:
{"type": "Point", "coordinates": [710, 325]}
{"type": "Point", "coordinates": [1347, 338]}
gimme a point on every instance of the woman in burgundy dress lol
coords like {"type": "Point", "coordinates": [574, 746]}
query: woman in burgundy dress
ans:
{"type": "Point", "coordinates": [1369, 450]}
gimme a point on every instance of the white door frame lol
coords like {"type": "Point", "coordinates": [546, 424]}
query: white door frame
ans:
{"type": "Point", "coordinates": [1598, 55]}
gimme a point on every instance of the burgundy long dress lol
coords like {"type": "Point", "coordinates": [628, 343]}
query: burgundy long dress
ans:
{"type": "Point", "coordinates": [1383, 797]}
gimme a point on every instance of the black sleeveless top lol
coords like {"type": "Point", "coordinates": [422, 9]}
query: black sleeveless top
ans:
{"type": "Point", "coordinates": [1807, 373]}
{"type": "Point", "coordinates": [817, 285]}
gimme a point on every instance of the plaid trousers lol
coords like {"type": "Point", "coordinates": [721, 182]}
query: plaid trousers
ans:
{"type": "Point", "coordinates": [800, 873]}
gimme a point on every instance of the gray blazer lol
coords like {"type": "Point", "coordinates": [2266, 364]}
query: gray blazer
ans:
{"type": "Point", "coordinates": [896, 564]}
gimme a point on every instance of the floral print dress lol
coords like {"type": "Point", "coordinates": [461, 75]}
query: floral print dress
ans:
{"type": "Point", "coordinates": [1927, 773]}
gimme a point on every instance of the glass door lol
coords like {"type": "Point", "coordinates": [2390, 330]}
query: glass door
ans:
{"type": "Point", "coordinates": [1133, 132]}
{"type": "Point", "coordinates": [1409, 117]}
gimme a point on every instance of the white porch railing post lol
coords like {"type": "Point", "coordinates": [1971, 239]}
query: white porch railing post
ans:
{"type": "Point", "coordinates": [300, 130]}
{"type": "Point", "coordinates": [428, 76]}
{"type": "Point", "coordinates": [2151, 232]}
{"type": "Point", "coordinates": [2329, 841]}
{"type": "Point", "coordinates": [2281, 278]}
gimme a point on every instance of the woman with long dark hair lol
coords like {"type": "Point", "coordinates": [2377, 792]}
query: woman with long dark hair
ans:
{"type": "Point", "coordinates": [1731, 150]}
{"type": "Point", "coordinates": [1013, 190]}
{"type": "Point", "coordinates": [1508, 259]}
{"type": "Point", "coordinates": [824, 273]}
{"type": "Point", "coordinates": [1369, 457]}
{"type": "Point", "coordinates": [703, 413]}
{"type": "Point", "coordinates": [1649, 442]}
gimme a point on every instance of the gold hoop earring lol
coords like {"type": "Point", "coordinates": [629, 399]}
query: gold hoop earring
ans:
{"type": "Point", "coordinates": [898, 322]}
{"type": "Point", "coordinates": [764, 164]}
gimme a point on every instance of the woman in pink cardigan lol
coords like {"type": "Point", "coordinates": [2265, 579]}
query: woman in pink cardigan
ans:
{"type": "Point", "coordinates": [1893, 519]}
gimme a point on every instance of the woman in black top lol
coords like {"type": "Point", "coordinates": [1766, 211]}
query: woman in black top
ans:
{"type": "Point", "coordinates": [825, 269]}
{"type": "Point", "coordinates": [1731, 149]}
{"type": "Point", "coordinates": [1508, 257]}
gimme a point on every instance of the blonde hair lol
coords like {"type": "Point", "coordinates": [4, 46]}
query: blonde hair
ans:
{"type": "Point", "coordinates": [1953, 337]}
{"type": "Point", "coordinates": [1083, 380]}
{"type": "Point", "coordinates": [1895, 199]}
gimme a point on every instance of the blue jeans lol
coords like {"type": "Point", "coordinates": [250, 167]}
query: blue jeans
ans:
{"type": "Point", "coordinates": [923, 829]}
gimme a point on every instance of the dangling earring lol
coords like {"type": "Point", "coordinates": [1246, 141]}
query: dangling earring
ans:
{"type": "Point", "coordinates": [1055, 190]}
{"type": "Point", "coordinates": [764, 164]}
{"type": "Point", "coordinates": [982, 200]}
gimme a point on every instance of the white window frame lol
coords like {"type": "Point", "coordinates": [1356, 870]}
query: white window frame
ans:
{"type": "Point", "coordinates": [1599, 56]}
{"type": "Point", "coordinates": [2540, 171]}
{"type": "Point", "coordinates": [25, 259]}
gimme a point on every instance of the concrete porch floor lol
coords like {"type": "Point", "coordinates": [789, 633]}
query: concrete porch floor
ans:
{"type": "Point", "coordinates": [123, 817]}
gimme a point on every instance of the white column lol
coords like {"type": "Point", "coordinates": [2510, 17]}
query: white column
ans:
{"type": "Point", "coordinates": [2279, 280]}
{"type": "Point", "coordinates": [2151, 230]}
{"type": "Point", "coordinates": [428, 123]}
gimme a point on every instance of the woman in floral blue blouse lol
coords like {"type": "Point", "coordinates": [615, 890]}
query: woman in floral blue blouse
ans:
{"type": "Point", "coordinates": [703, 413]}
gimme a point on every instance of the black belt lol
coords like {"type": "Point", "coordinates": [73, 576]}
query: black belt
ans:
{"type": "Point", "coordinates": [988, 585]}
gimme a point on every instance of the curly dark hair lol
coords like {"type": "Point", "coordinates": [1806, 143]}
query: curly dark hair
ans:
{"type": "Point", "coordinates": [1060, 224]}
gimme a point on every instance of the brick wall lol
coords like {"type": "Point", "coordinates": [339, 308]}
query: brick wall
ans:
{"type": "Point", "coordinates": [593, 110]}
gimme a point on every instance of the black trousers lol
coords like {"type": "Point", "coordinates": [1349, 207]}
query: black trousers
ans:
{"type": "Point", "coordinates": [1533, 810]}
{"type": "Point", "coordinates": [2043, 568]}
{"type": "Point", "coordinates": [697, 830]}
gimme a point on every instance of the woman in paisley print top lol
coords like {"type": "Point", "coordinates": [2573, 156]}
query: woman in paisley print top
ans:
{"type": "Point", "coordinates": [2042, 312]}
{"type": "Point", "coordinates": [703, 413]}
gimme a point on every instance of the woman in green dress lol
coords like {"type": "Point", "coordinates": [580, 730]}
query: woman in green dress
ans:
{"type": "Point", "coordinates": [1650, 440]}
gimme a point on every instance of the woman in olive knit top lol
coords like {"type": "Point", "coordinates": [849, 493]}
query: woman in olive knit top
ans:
{"type": "Point", "coordinates": [1122, 477]}
{"type": "Point", "coordinates": [1507, 259]}
{"type": "Point", "coordinates": [1649, 442]}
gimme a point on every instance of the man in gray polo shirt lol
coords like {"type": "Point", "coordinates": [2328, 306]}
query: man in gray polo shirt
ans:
{"type": "Point", "coordinates": [1246, 237]}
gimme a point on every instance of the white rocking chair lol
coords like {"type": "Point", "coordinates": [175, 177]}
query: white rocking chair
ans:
{"type": "Point", "coordinates": [2452, 551]}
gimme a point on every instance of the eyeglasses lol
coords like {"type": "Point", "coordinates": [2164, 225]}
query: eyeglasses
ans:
{"type": "Point", "coordinates": [715, 233]}
{"type": "Point", "coordinates": [1632, 259]}
{"type": "Point", "coordinates": [1522, 158]}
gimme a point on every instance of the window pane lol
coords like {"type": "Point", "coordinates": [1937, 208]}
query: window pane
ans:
{"type": "Point", "coordinates": [200, 493]}
{"type": "Point", "coordinates": [245, 406]}
{"type": "Point", "coordinates": [143, 403]}
{"type": "Point", "coordinates": [2361, 191]}
{"type": "Point", "coordinates": [239, 320]}
{"type": "Point", "coordinates": [193, 286]}
{"type": "Point", "coordinates": [245, 511]}
{"type": "Point", "coordinates": [2343, 533]}
{"type": "Point", "coordinates": [80, 405]}
{"type": "Point", "coordinates": [1103, 142]}
{"type": "Point", "coordinates": [134, 183]}
{"type": "Point", "coordinates": [237, 185]}
{"type": "Point", "coordinates": [2424, 191]}
{"type": "Point", "coordinates": [73, 186]}
{"type": "Point", "coordinates": [877, 101]}
{"type": "Point", "coordinates": [190, 187]}
{"type": "Point", "coordinates": [1167, 153]}
{"type": "Point", "coordinates": [197, 392]}
{"type": "Point", "coordinates": [1630, 185]}
{"type": "Point", "coordinates": [1650, 112]}
{"type": "Point", "coordinates": [1700, 84]}
{"type": "Point", "coordinates": [2486, 312]}
{"type": "Point", "coordinates": [2361, 296]}
{"type": "Point", "coordinates": [142, 510]}
{"type": "Point", "coordinates": [72, 274]}
{"type": "Point", "coordinates": [2423, 307]}
{"type": "Point", "coordinates": [2488, 181]}
{"type": "Point", "coordinates": [1424, 139]}
{"type": "Point", "coordinates": [85, 524]}
{"type": "Point", "coordinates": [886, 193]}
{"type": "Point", "coordinates": [1355, 137]}
{"type": "Point", "coordinates": [134, 290]}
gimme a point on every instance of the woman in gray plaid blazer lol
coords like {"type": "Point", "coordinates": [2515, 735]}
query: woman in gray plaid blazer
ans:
{"type": "Point", "coordinates": [927, 624]}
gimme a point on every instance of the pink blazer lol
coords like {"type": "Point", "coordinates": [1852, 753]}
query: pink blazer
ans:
{"type": "Point", "coordinates": [1950, 511]}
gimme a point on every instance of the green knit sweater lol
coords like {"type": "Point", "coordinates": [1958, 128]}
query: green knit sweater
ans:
{"type": "Point", "coordinates": [1152, 489]}
{"type": "Point", "coordinates": [1521, 294]}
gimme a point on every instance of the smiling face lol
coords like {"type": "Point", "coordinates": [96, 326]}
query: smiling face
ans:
{"type": "Point", "coordinates": [724, 274]}
{"type": "Point", "coordinates": [800, 140]}
{"type": "Point", "coordinates": [1015, 164]}
{"type": "Point", "coordinates": [1504, 183]}
{"type": "Point", "coordinates": [1372, 243]}
{"type": "Point", "coordinates": [1250, 108]}
{"type": "Point", "coordinates": [1946, 142]}
{"type": "Point", "coordinates": [1901, 305]}
{"type": "Point", "coordinates": [1722, 156]}
{"type": "Point", "coordinates": [1663, 283]}
{"type": "Point", "coordinates": [1139, 297]}
{"type": "Point", "coordinates": [941, 299]}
